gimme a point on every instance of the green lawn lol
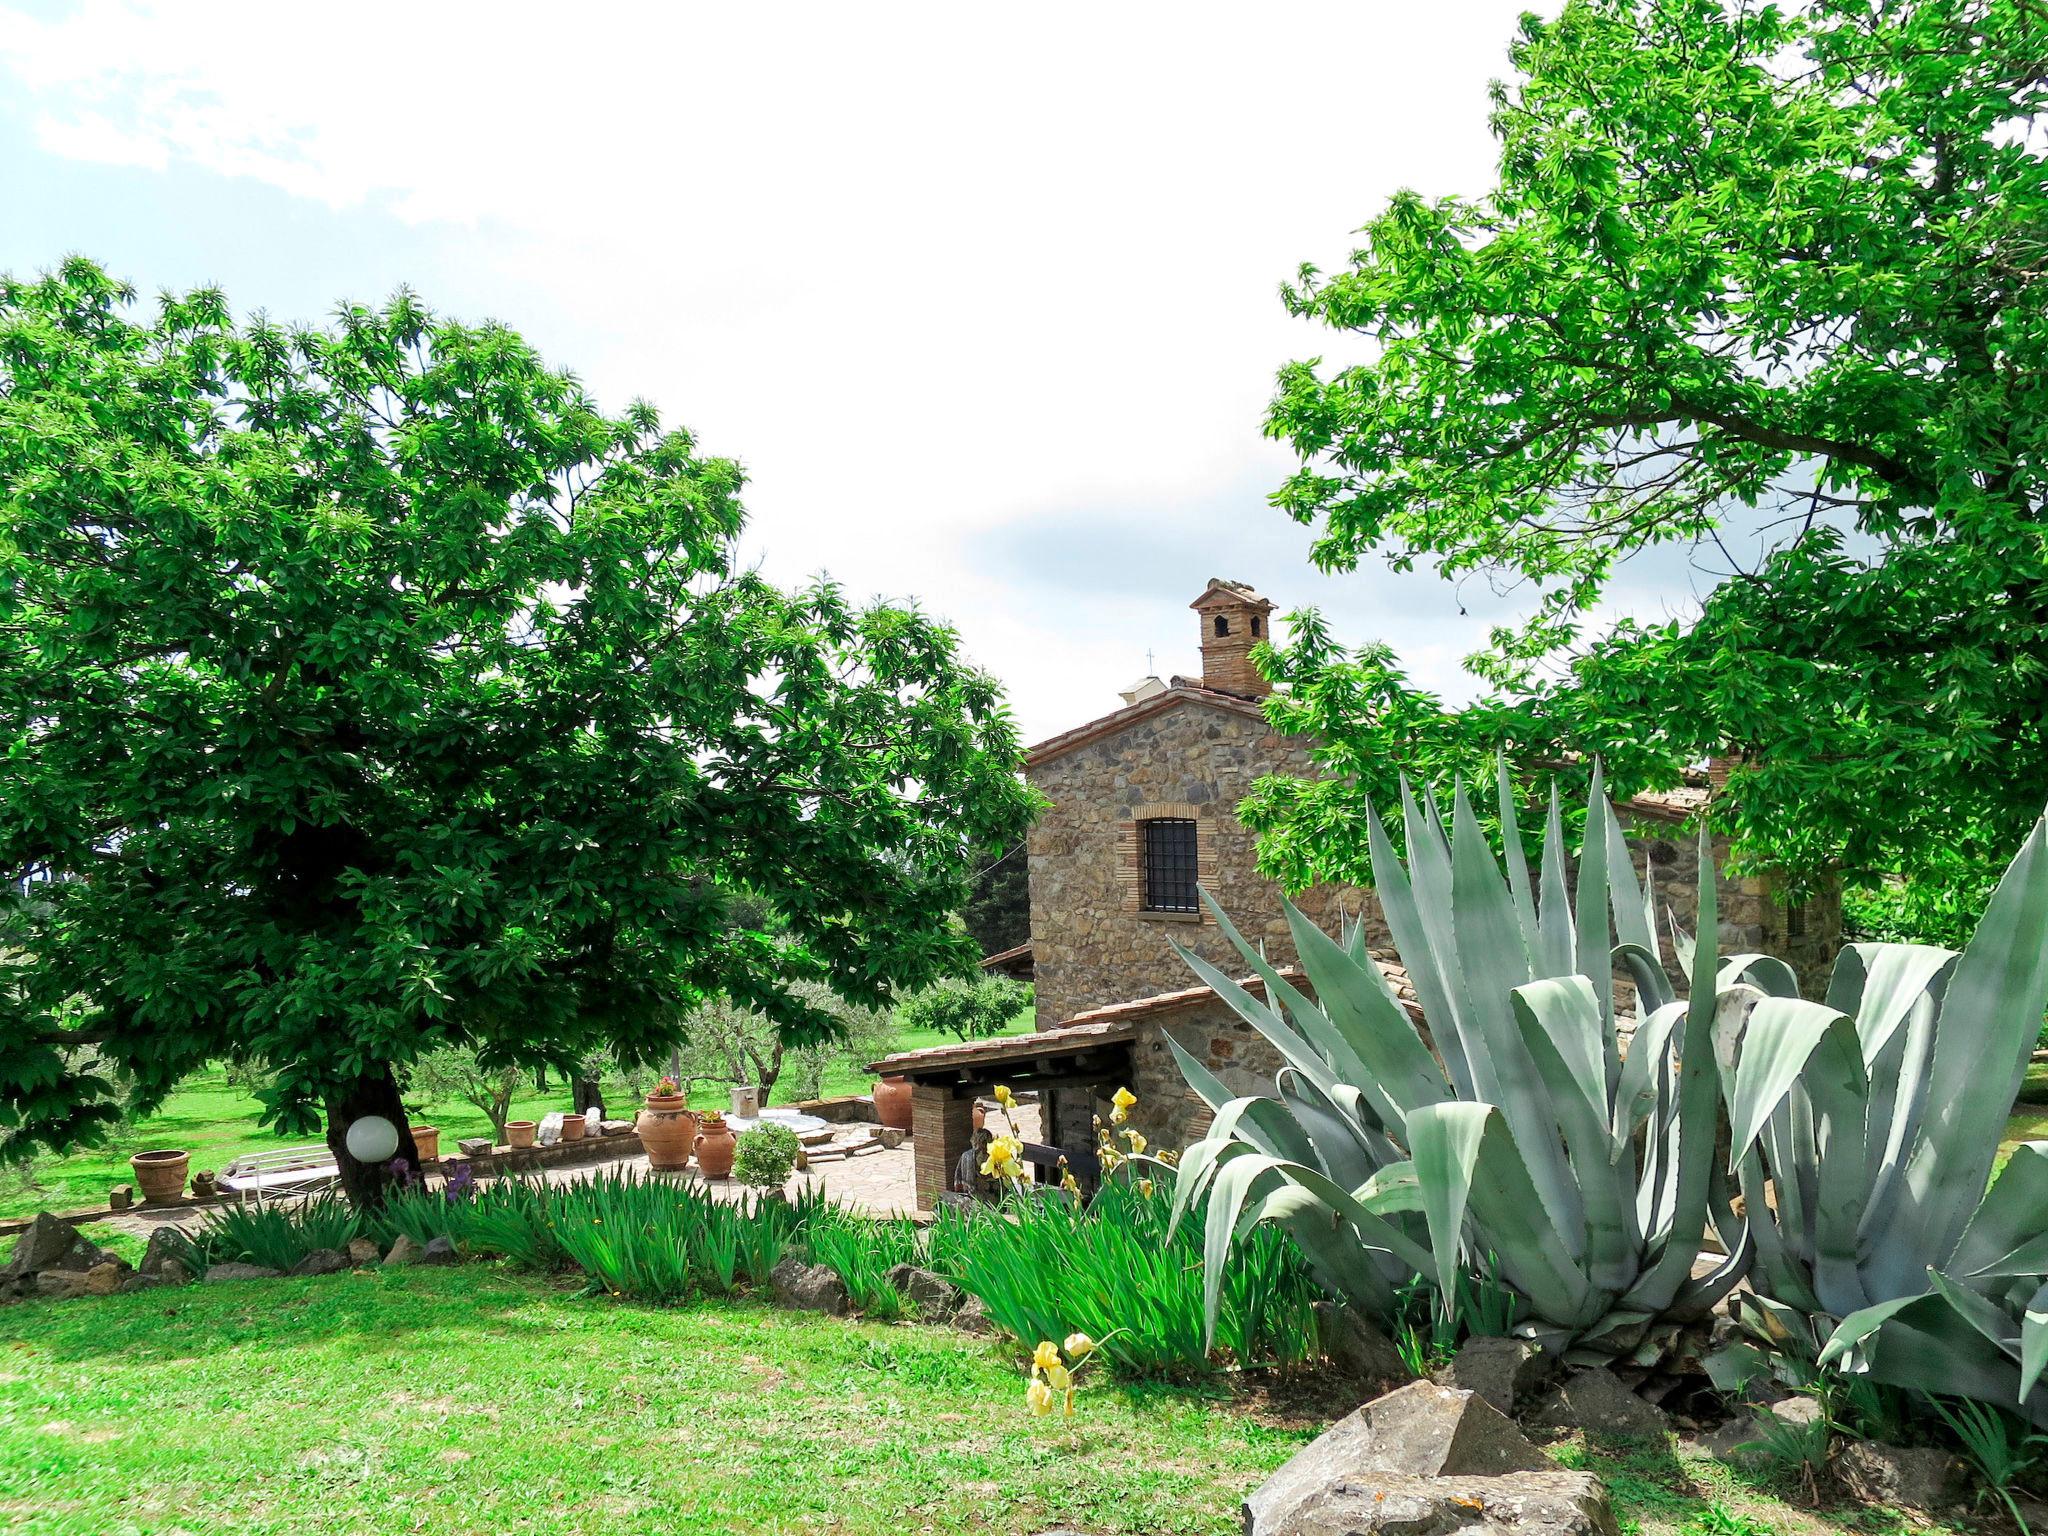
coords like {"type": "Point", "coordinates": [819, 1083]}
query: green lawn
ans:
{"type": "Point", "coordinates": [472, 1400]}
{"type": "Point", "coordinates": [217, 1123]}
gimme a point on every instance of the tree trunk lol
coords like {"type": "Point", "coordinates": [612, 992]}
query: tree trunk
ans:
{"type": "Point", "coordinates": [374, 1093]}
{"type": "Point", "coordinates": [585, 1093]}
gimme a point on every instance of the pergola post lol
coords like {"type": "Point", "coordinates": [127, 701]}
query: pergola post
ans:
{"type": "Point", "coordinates": [941, 1128]}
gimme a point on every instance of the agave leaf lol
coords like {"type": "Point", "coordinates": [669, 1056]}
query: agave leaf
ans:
{"type": "Point", "coordinates": [1466, 1159]}
{"type": "Point", "coordinates": [1594, 928]}
{"type": "Point", "coordinates": [1653, 983]}
{"type": "Point", "coordinates": [1401, 905]}
{"type": "Point", "coordinates": [2010, 1225]}
{"type": "Point", "coordinates": [1293, 1048]}
{"type": "Point", "coordinates": [1921, 1342]}
{"type": "Point", "coordinates": [1767, 973]}
{"type": "Point", "coordinates": [2033, 1342]}
{"type": "Point", "coordinates": [1393, 1190]}
{"type": "Point", "coordinates": [1340, 1150]}
{"type": "Point", "coordinates": [1990, 1016]}
{"type": "Point", "coordinates": [1782, 1036]}
{"type": "Point", "coordinates": [1517, 861]}
{"type": "Point", "coordinates": [1376, 1028]}
{"type": "Point", "coordinates": [1644, 1067]}
{"type": "Point", "coordinates": [1558, 951]}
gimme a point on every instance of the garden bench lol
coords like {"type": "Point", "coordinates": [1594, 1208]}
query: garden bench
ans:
{"type": "Point", "coordinates": [288, 1170]}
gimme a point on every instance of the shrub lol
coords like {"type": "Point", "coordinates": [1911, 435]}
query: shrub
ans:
{"type": "Point", "coordinates": [765, 1157]}
{"type": "Point", "coordinates": [967, 1010]}
{"type": "Point", "coordinates": [861, 1250]}
{"type": "Point", "coordinates": [273, 1234]}
{"type": "Point", "coordinates": [1115, 1269]}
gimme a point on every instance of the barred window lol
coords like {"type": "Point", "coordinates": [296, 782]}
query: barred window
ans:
{"type": "Point", "coordinates": [1171, 866]}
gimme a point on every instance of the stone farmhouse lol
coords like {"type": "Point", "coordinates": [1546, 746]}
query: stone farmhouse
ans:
{"type": "Point", "coordinates": [1142, 812]}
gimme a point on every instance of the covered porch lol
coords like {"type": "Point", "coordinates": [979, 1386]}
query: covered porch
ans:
{"type": "Point", "coordinates": [1071, 1068]}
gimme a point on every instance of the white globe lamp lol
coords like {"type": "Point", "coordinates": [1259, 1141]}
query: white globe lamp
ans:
{"type": "Point", "coordinates": [372, 1139]}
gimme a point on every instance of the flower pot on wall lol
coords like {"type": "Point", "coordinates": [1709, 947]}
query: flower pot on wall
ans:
{"type": "Point", "coordinates": [161, 1175]}
{"type": "Point", "coordinates": [426, 1140]}
{"type": "Point", "coordinates": [519, 1133]}
{"type": "Point", "coordinates": [573, 1127]}
{"type": "Point", "coordinates": [668, 1131]}
{"type": "Point", "coordinates": [892, 1102]}
{"type": "Point", "coordinates": [715, 1146]}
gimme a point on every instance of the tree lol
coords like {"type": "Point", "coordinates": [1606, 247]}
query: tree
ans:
{"type": "Point", "coordinates": [450, 1073]}
{"type": "Point", "coordinates": [967, 1010]}
{"type": "Point", "coordinates": [1744, 264]}
{"type": "Point", "coordinates": [999, 912]}
{"type": "Point", "coordinates": [367, 691]}
{"type": "Point", "coordinates": [727, 1042]}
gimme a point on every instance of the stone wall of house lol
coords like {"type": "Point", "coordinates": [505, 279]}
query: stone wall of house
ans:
{"type": "Point", "coordinates": [1089, 946]}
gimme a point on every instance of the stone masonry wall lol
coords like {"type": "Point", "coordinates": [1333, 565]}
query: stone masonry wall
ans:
{"type": "Point", "coordinates": [1087, 949]}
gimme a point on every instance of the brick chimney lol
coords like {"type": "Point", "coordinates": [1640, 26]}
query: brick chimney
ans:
{"type": "Point", "coordinates": [1234, 619]}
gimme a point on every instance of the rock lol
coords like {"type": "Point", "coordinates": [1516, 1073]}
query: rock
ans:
{"type": "Point", "coordinates": [142, 1282]}
{"type": "Point", "coordinates": [1913, 1477]}
{"type": "Point", "coordinates": [166, 1245]}
{"type": "Point", "coordinates": [891, 1138]}
{"type": "Point", "coordinates": [60, 1284]}
{"type": "Point", "coordinates": [121, 1197]}
{"type": "Point", "coordinates": [103, 1279]}
{"type": "Point", "coordinates": [1522, 1503]}
{"type": "Point", "coordinates": [49, 1243]}
{"type": "Point", "coordinates": [613, 1127]}
{"type": "Point", "coordinates": [1596, 1402]}
{"type": "Point", "coordinates": [474, 1146]}
{"type": "Point", "coordinates": [220, 1273]}
{"type": "Point", "coordinates": [321, 1261]}
{"type": "Point", "coordinates": [1358, 1348]}
{"type": "Point", "coordinates": [174, 1272]}
{"type": "Point", "coordinates": [403, 1251]}
{"type": "Point", "coordinates": [972, 1317]}
{"type": "Point", "coordinates": [813, 1287]}
{"type": "Point", "coordinates": [362, 1250]}
{"type": "Point", "coordinates": [1506, 1372]}
{"type": "Point", "coordinates": [932, 1296]}
{"type": "Point", "coordinates": [440, 1250]}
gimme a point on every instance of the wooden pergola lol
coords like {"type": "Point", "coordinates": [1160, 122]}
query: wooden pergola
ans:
{"type": "Point", "coordinates": [945, 1080]}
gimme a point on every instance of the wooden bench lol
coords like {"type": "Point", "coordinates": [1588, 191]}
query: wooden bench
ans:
{"type": "Point", "coordinates": [288, 1170]}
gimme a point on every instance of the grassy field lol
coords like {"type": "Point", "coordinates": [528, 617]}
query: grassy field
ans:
{"type": "Point", "coordinates": [217, 1123]}
{"type": "Point", "coordinates": [472, 1400]}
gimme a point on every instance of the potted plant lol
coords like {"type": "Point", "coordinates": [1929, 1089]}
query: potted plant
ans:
{"type": "Point", "coordinates": [715, 1143]}
{"type": "Point", "coordinates": [766, 1156]}
{"type": "Point", "coordinates": [667, 1128]}
{"type": "Point", "coordinates": [161, 1175]}
{"type": "Point", "coordinates": [519, 1133]}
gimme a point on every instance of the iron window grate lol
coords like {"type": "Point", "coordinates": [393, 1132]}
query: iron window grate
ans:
{"type": "Point", "coordinates": [1172, 868]}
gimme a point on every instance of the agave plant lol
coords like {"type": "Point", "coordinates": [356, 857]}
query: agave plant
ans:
{"type": "Point", "coordinates": [1864, 1135]}
{"type": "Point", "coordinates": [1513, 1136]}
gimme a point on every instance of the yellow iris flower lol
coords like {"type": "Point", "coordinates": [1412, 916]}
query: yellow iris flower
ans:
{"type": "Point", "coordinates": [1079, 1347]}
{"type": "Point", "coordinates": [1046, 1357]}
{"type": "Point", "coordinates": [1039, 1397]}
{"type": "Point", "coordinates": [1004, 1097]}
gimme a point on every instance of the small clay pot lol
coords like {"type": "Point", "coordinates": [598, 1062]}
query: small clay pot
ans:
{"type": "Point", "coordinates": [892, 1102]}
{"type": "Point", "coordinates": [426, 1140]}
{"type": "Point", "coordinates": [161, 1175]}
{"type": "Point", "coordinates": [980, 1117]}
{"type": "Point", "coordinates": [572, 1127]}
{"type": "Point", "coordinates": [519, 1133]}
{"type": "Point", "coordinates": [715, 1146]}
{"type": "Point", "coordinates": [667, 1134]}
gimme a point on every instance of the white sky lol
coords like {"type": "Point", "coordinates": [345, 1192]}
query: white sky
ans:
{"type": "Point", "coordinates": [983, 297]}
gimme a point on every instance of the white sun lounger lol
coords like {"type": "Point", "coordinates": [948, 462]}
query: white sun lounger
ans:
{"type": "Point", "coordinates": [288, 1170]}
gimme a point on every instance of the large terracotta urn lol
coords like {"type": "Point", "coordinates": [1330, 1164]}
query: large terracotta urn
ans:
{"type": "Point", "coordinates": [668, 1131]}
{"type": "Point", "coordinates": [715, 1146]}
{"type": "Point", "coordinates": [161, 1175]}
{"type": "Point", "coordinates": [426, 1140]}
{"type": "Point", "coordinates": [892, 1102]}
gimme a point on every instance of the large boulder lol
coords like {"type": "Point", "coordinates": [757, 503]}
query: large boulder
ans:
{"type": "Point", "coordinates": [1596, 1401]}
{"type": "Point", "coordinates": [813, 1287]}
{"type": "Point", "coordinates": [1358, 1348]}
{"type": "Point", "coordinates": [166, 1245]}
{"type": "Point", "coordinates": [932, 1296]}
{"type": "Point", "coordinates": [1506, 1372]}
{"type": "Point", "coordinates": [60, 1284]}
{"type": "Point", "coordinates": [440, 1250]}
{"type": "Point", "coordinates": [104, 1279]}
{"type": "Point", "coordinates": [403, 1251]}
{"type": "Point", "coordinates": [1520, 1504]}
{"type": "Point", "coordinates": [363, 1250]}
{"type": "Point", "coordinates": [48, 1243]}
{"type": "Point", "coordinates": [1420, 1431]}
{"type": "Point", "coordinates": [1910, 1477]}
{"type": "Point", "coordinates": [972, 1317]}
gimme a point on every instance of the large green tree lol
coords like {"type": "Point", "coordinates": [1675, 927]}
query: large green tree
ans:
{"type": "Point", "coordinates": [366, 691]}
{"type": "Point", "coordinates": [1745, 267]}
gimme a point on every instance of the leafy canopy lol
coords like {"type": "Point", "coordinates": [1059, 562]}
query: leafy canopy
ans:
{"type": "Point", "coordinates": [366, 691]}
{"type": "Point", "coordinates": [1744, 266]}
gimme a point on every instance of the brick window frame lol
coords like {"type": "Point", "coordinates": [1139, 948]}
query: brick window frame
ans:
{"type": "Point", "coordinates": [1130, 857]}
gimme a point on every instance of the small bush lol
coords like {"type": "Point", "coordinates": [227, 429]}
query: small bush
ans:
{"type": "Point", "coordinates": [274, 1235]}
{"type": "Point", "coordinates": [765, 1157]}
{"type": "Point", "coordinates": [861, 1250]}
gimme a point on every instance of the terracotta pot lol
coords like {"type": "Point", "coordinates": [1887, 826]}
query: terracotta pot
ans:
{"type": "Point", "coordinates": [668, 1134]}
{"type": "Point", "coordinates": [980, 1117]}
{"type": "Point", "coordinates": [519, 1133]}
{"type": "Point", "coordinates": [715, 1146]}
{"type": "Point", "coordinates": [426, 1140]}
{"type": "Point", "coordinates": [572, 1127]}
{"type": "Point", "coordinates": [892, 1102]}
{"type": "Point", "coordinates": [161, 1175]}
